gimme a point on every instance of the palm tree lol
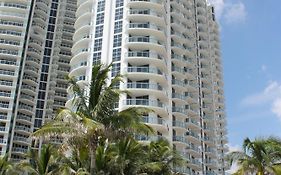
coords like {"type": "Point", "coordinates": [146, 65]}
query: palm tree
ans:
{"type": "Point", "coordinates": [95, 117]}
{"type": "Point", "coordinates": [6, 166]}
{"type": "Point", "coordinates": [258, 156]}
{"type": "Point", "coordinates": [160, 159]}
{"type": "Point", "coordinates": [42, 163]}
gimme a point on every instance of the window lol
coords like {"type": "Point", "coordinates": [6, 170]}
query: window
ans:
{"type": "Point", "coordinates": [39, 113]}
{"type": "Point", "coordinates": [40, 104]}
{"type": "Point", "coordinates": [98, 44]}
{"type": "Point", "coordinates": [42, 86]}
{"type": "Point", "coordinates": [46, 60]}
{"type": "Point", "coordinates": [50, 35]}
{"type": "Point", "coordinates": [119, 3]}
{"type": "Point", "coordinates": [47, 51]}
{"type": "Point", "coordinates": [44, 77]}
{"type": "Point", "coordinates": [117, 41]}
{"type": "Point", "coordinates": [96, 58]}
{"type": "Point", "coordinates": [45, 68]}
{"type": "Point", "coordinates": [52, 20]}
{"type": "Point", "coordinates": [48, 43]}
{"type": "Point", "coordinates": [118, 14]}
{"type": "Point", "coordinates": [99, 31]}
{"type": "Point", "coordinates": [53, 13]}
{"type": "Point", "coordinates": [100, 18]}
{"type": "Point", "coordinates": [41, 95]}
{"type": "Point", "coordinates": [115, 69]}
{"type": "Point", "coordinates": [116, 54]}
{"type": "Point", "coordinates": [101, 5]}
{"type": "Point", "coordinates": [37, 123]}
{"type": "Point", "coordinates": [51, 28]}
{"type": "Point", "coordinates": [118, 27]}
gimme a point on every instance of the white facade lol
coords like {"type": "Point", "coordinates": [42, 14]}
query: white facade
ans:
{"type": "Point", "coordinates": [169, 52]}
{"type": "Point", "coordinates": [34, 55]}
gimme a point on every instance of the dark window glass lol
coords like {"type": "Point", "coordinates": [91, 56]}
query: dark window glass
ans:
{"type": "Point", "coordinates": [46, 60]}
{"type": "Point", "coordinates": [41, 95]}
{"type": "Point", "coordinates": [40, 104]}
{"type": "Point", "coordinates": [52, 20]}
{"type": "Point", "coordinates": [47, 52]}
{"type": "Point", "coordinates": [39, 113]}
{"type": "Point", "coordinates": [48, 43]}
{"type": "Point", "coordinates": [53, 13]}
{"type": "Point", "coordinates": [54, 6]}
{"type": "Point", "coordinates": [44, 77]}
{"type": "Point", "coordinates": [50, 35]}
{"type": "Point", "coordinates": [51, 28]}
{"type": "Point", "coordinates": [37, 123]}
{"type": "Point", "coordinates": [42, 86]}
{"type": "Point", "coordinates": [45, 68]}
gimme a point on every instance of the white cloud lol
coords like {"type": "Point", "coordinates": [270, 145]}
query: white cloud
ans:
{"type": "Point", "coordinates": [219, 7]}
{"type": "Point", "coordinates": [235, 13]}
{"type": "Point", "coordinates": [276, 107]}
{"type": "Point", "coordinates": [229, 11]}
{"type": "Point", "coordinates": [264, 68]}
{"type": "Point", "coordinates": [234, 167]}
{"type": "Point", "coordinates": [270, 95]}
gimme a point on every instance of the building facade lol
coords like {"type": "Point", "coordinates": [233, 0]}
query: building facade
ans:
{"type": "Point", "coordinates": [169, 52]}
{"type": "Point", "coordinates": [35, 51]}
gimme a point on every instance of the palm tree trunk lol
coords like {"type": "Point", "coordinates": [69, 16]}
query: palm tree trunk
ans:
{"type": "Point", "coordinates": [93, 160]}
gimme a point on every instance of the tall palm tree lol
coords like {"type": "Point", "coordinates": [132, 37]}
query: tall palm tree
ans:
{"type": "Point", "coordinates": [42, 163]}
{"type": "Point", "coordinates": [6, 166]}
{"type": "Point", "coordinates": [160, 158]}
{"type": "Point", "coordinates": [95, 117]}
{"type": "Point", "coordinates": [258, 156]}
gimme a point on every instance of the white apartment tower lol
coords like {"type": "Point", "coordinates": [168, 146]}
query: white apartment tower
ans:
{"type": "Point", "coordinates": [169, 51]}
{"type": "Point", "coordinates": [35, 51]}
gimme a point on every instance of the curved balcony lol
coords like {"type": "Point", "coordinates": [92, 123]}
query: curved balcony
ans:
{"type": "Point", "coordinates": [29, 79]}
{"type": "Point", "coordinates": [193, 124]}
{"type": "Point", "coordinates": [28, 89]}
{"type": "Point", "coordinates": [146, 57]}
{"type": "Point", "coordinates": [84, 7]}
{"type": "Point", "coordinates": [178, 98]}
{"type": "Point", "coordinates": [138, 73]}
{"type": "Point", "coordinates": [156, 106]}
{"type": "Point", "coordinates": [21, 140]}
{"type": "Point", "coordinates": [179, 125]}
{"type": "Point", "coordinates": [194, 150]}
{"type": "Point", "coordinates": [145, 138]}
{"type": "Point", "coordinates": [179, 111]}
{"type": "Point", "coordinates": [195, 164]}
{"type": "Point", "coordinates": [209, 141]}
{"type": "Point", "coordinates": [83, 20]}
{"type": "Point", "coordinates": [146, 43]}
{"type": "Point", "coordinates": [83, 42]}
{"type": "Point", "coordinates": [181, 60]}
{"type": "Point", "coordinates": [79, 55]}
{"type": "Point", "coordinates": [179, 85]}
{"type": "Point", "coordinates": [28, 99]}
{"type": "Point", "coordinates": [146, 29]}
{"type": "Point", "coordinates": [149, 4]}
{"type": "Point", "coordinates": [153, 16]}
{"type": "Point", "coordinates": [24, 119]}
{"type": "Point", "coordinates": [180, 141]}
{"type": "Point", "coordinates": [182, 73]}
{"type": "Point", "coordinates": [22, 129]}
{"type": "Point", "coordinates": [193, 137]}
{"type": "Point", "coordinates": [158, 123]}
{"type": "Point", "coordinates": [138, 88]}
{"type": "Point", "coordinates": [26, 109]}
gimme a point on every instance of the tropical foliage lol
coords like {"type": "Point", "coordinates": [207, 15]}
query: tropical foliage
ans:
{"type": "Point", "coordinates": [98, 139]}
{"type": "Point", "coordinates": [261, 156]}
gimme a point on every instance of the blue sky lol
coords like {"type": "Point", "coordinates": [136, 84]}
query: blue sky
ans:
{"type": "Point", "coordinates": [251, 50]}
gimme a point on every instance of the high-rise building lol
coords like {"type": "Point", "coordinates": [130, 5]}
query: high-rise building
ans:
{"type": "Point", "coordinates": [35, 51]}
{"type": "Point", "coordinates": [169, 52]}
